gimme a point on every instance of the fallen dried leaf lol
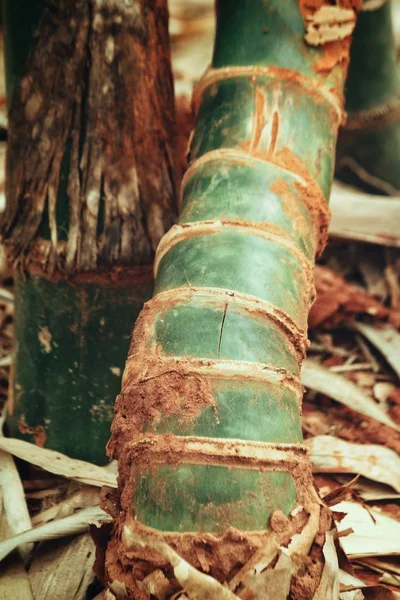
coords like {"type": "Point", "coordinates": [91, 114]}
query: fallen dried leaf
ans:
{"type": "Point", "coordinates": [13, 497]}
{"type": "Point", "coordinates": [330, 454]}
{"type": "Point", "coordinates": [74, 524]}
{"type": "Point", "coordinates": [63, 568]}
{"type": "Point", "coordinates": [329, 584]}
{"type": "Point", "coordinates": [58, 463]}
{"type": "Point", "coordinates": [379, 536]}
{"type": "Point", "coordinates": [364, 217]}
{"type": "Point", "coordinates": [156, 585]}
{"type": "Point", "coordinates": [369, 491]}
{"type": "Point", "coordinates": [84, 497]}
{"type": "Point", "coordinates": [385, 338]}
{"type": "Point", "coordinates": [322, 380]}
{"type": "Point", "coordinates": [197, 586]}
{"type": "Point", "coordinates": [14, 580]}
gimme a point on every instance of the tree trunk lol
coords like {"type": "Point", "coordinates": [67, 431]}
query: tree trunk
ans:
{"type": "Point", "coordinates": [369, 144]}
{"type": "Point", "coordinates": [207, 430]}
{"type": "Point", "coordinates": [90, 190]}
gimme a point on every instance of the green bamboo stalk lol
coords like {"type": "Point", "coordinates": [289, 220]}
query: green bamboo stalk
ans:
{"type": "Point", "coordinates": [84, 210]}
{"type": "Point", "coordinates": [207, 428]}
{"type": "Point", "coordinates": [369, 144]}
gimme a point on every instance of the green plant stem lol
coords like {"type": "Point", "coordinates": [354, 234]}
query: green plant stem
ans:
{"type": "Point", "coordinates": [369, 144]}
{"type": "Point", "coordinates": [207, 428]}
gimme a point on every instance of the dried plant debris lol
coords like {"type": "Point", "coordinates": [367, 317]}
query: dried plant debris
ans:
{"type": "Point", "coordinates": [338, 300]}
{"type": "Point", "coordinates": [363, 217]}
{"type": "Point", "coordinates": [77, 523]}
{"type": "Point", "coordinates": [385, 338]}
{"type": "Point", "coordinates": [13, 499]}
{"type": "Point", "coordinates": [58, 463]}
{"type": "Point", "coordinates": [351, 415]}
{"type": "Point", "coordinates": [333, 455]}
{"type": "Point", "coordinates": [319, 378]}
{"type": "Point", "coordinates": [62, 569]}
{"type": "Point", "coordinates": [374, 533]}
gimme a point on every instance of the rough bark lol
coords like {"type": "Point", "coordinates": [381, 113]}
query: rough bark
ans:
{"type": "Point", "coordinates": [95, 107]}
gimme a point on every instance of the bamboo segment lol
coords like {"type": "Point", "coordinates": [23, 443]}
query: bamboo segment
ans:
{"type": "Point", "coordinates": [72, 342]}
{"type": "Point", "coordinates": [369, 144]}
{"type": "Point", "coordinates": [207, 426]}
{"type": "Point", "coordinates": [92, 100]}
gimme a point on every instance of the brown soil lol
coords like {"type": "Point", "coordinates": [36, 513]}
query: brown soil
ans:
{"type": "Point", "coordinates": [219, 555]}
{"type": "Point", "coordinates": [38, 432]}
{"type": "Point", "coordinates": [337, 300]}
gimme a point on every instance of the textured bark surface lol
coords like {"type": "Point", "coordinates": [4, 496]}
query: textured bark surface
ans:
{"type": "Point", "coordinates": [92, 120]}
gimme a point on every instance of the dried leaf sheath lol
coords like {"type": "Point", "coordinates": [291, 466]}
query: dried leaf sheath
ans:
{"type": "Point", "coordinates": [90, 192]}
{"type": "Point", "coordinates": [207, 426]}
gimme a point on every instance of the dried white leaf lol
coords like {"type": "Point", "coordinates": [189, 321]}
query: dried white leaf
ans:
{"type": "Point", "coordinates": [320, 379]}
{"type": "Point", "coordinates": [274, 582]}
{"type": "Point", "coordinates": [58, 463]}
{"type": "Point", "coordinates": [13, 495]}
{"type": "Point", "coordinates": [364, 217]}
{"type": "Point", "coordinates": [76, 523]}
{"type": "Point", "coordinates": [368, 490]}
{"type": "Point", "coordinates": [14, 501]}
{"type": "Point", "coordinates": [156, 585]}
{"type": "Point", "coordinates": [63, 568]}
{"type": "Point", "coordinates": [370, 538]}
{"type": "Point", "coordinates": [347, 580]}
{"type": "Point", "coordinates": [385, 338]}
{"type": "Point", "coordinates": [352, 595]}
{"type": "Point", "coordinates": [196, 585]}
{"type": "Point", "coordinates": [81, 498]}
{"type": "Point", "coordinates": [376, 592]}
{"type": "Point", "coordinates": [329, 584]}
{"type": "Point", "coordinates": [14, 580]}
{"type": "Point", "coordinates": [259, 561]}
{"type": "Point", "coordinates": [330, 454]}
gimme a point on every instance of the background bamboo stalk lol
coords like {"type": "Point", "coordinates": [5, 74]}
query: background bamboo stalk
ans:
{"type": "Point", "coordinates": [369, 144]}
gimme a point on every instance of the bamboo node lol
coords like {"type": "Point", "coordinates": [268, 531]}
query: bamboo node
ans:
{"type": "Point", "coordinates": [218, 297]}
{"type": "Point", "coordinates": [267, 231]}
{"type": "Point", "coordinates": [308, 188]}
{"type": "Point", "coordinates": [308, 84]}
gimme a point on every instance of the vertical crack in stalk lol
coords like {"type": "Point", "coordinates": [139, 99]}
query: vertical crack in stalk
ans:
{"type": "Point", "coordinates": [222, 328]}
